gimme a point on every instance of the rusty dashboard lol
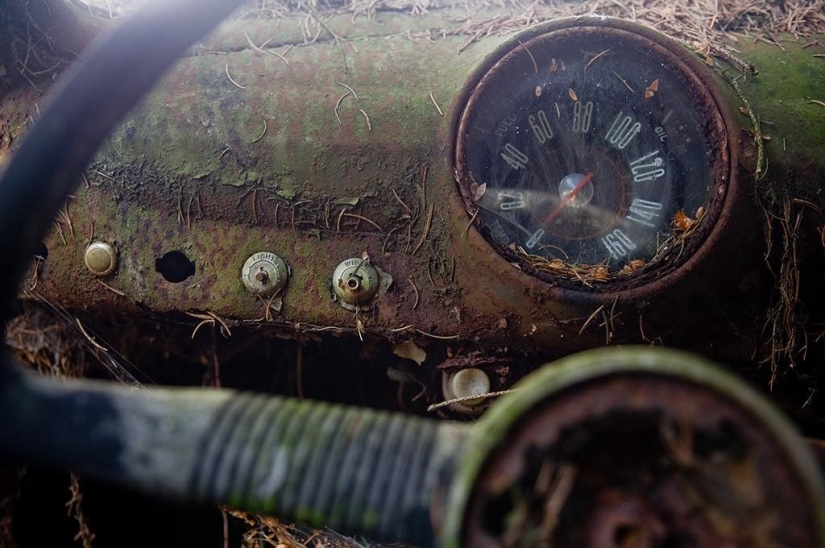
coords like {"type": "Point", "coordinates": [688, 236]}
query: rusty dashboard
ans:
{"type": "Point", "coordinates": [278, 162]}
{"type": "Point", "coordinates": [361, 199]}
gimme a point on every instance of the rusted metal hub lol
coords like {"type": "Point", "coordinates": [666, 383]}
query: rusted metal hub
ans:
{"type": "Point", "coordinates": [642, 459]}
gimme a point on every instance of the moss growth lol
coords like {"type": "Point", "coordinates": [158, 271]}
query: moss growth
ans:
{"type": "Point", "coordinates": [311, 516]}
{"type": "Point", "coordinates": [792, 124]}
{"type": "Point", "coordinates": [371, 519]}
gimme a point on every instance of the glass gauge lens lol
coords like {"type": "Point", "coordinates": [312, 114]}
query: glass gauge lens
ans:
{"type": "Point", "coordinates": [591, 148]}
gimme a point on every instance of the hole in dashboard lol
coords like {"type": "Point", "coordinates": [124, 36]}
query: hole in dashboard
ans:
{"type": "Point", "coordinates": [175, 267]}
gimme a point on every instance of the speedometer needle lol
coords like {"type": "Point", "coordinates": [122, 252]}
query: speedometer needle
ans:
{"type": "Point", "coordinates": [566, 199]}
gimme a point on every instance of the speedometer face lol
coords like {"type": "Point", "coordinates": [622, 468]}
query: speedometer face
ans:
{"type": "Point", "coordinates": [591, 147]}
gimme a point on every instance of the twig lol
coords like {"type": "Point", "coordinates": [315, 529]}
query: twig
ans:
{"type": "Point", "coordinates": [590, 319]}
{"type": "Point", "coordinates": [89, 337]}
{"type": "Point", "coordinates": [467, 228]}
{"type": "Point", "coordinates": [623, 81]}
{"type": "Point", "coordinates": [261, 136]}
{"type": "Point", "coordinates": [59, 228]}
{"type": "Point", "coordinates": [595, 57]}
{"type": "Point", "coordinates": [75, 509]}
{"type": "Point", "coordinates": [369, 124]}
{"type": "Point", "coordinates": [257, 49]}
{"type": "Point", "coordinates": [236, 84]}
{"type": "Point", "coordinates": [335, 37]}
{"type": "Point", "coordinates": [255, 206]}
{"type": "Point", "coordinates": [225, 527]}
{"type": "Point", "coordinates": [757, 127]}
{"type": "Point", "coordinates": [362, 218]}
{"type": "Point", "coordinates": [210, 317]}
{"type": "Point", "coordinates": [38, 260]}
{"type": "Point", "coordinates": [468, 43]}
{"type": "Point", "coordinates": [349, 89]}
{"type": "Point", "coordinates": [387, 238]}
{"type": "Point", "coordinates": [279, 56]}
{"type": "Point", "coordinates": [400, 201]}
{"type": "Point", "coordinates": [439, 337]}
{"type": "Point", "coordinates": [426, 230]}
{"type": "Point", "coordinates": [415, 289]}
{"type": "Point", "coordinates": [439, 405]}
{"type": "Point", "coordinates": [338, 105]}
{"type": "Point", "coordinates": [107, 176]}
{"type": "Point", "coordinates": [338, 222]}
{"type": "Point", "coordinates": [533, 59]}
{"type": "Point", "coordinates": [438, 108]}
{"type": "Point", "coordinates": [430, 274]}
{"type": "Point", "coordinates": [112, 289]}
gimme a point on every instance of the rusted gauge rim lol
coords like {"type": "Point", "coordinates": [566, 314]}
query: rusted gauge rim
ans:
{"type": "Point", "coordinates": [596, 386]}
{"type": "Point", "coordinates": [721, 133]}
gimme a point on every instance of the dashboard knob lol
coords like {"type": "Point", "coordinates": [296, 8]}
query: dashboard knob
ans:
{"type": "Point", "coordinates": [101, 258]}
{"type": "Point", "coordinates": [465, 384]}
{"type": "Point", "coordinates": [355, 283]}
{"type": "Point", "coordinates": [264, 274]}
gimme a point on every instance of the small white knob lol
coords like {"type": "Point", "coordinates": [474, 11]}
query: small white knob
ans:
{"type": "Point", "coordinates": [469, 382]}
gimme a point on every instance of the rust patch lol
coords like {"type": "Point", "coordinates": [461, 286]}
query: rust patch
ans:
{"type": "Point", "coordinates": [638, 460]}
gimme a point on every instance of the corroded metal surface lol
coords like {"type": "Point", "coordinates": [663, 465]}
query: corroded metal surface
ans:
{"type": "Point", "coordinates": [703, 457]}
{"type": "Point", "coordinates": [240, 152]}
{"type": "Point", "coordinates": [636, 447]}
{"type": "Point", "coordinates": [344, 148]}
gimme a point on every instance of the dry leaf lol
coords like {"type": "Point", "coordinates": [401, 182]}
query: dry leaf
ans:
{"type": "Point", "coordinates": [346, 201]}
{"type": "Point", "coordinates": [651, 90]}
{"type": "Point", "coordinates": [682, 222]}
{"type": "Point", "coordinates": [599, 273]}
{"type": "Point", "coordinates": [633, 266]}
{"type": "Point", "coordinates": [573, 95]}
{"type": "Point", "coordinates": [410, 351]}
{"type": "Point", "coordinates": [479, 191]}
{"type": "Point", "coordinates": [554, 66]}
{"type": "Point", "coordinates": [538, 91]}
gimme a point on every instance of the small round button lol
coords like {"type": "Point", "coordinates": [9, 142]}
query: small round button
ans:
{"type": "Point", "coordinates": [264, 274]}
{"type": "Point", "coordinates": [355, 283]}
{"type": "Point", "coordinates": [101, 258]}
{"type": "Point", "coordinates": [469, 382]}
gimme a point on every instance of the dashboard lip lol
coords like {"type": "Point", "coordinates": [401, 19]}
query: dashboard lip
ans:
{"type": "Point", "coordinates": [634, 289]}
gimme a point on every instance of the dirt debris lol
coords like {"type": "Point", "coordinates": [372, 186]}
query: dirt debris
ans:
{"type": "Point", "coordinates": [697, 22]}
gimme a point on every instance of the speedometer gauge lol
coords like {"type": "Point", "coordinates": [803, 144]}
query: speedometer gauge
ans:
{"type": "Point", "coordinates": [593, 153]}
